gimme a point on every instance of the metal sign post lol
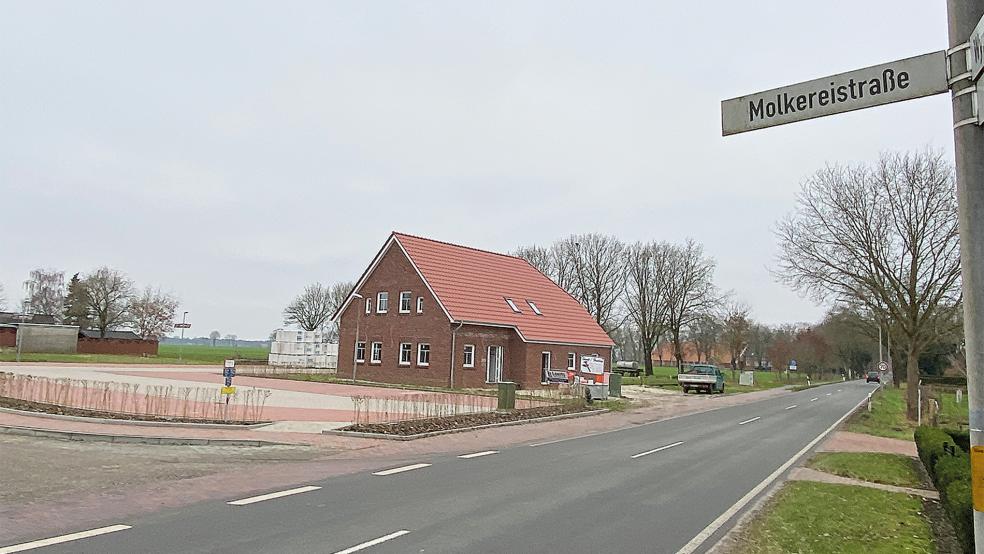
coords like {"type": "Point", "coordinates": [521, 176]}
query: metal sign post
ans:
{"type": "Point", "coordinates": [228, 372]}
{"type": "Point", "coordinates": [958, 69]}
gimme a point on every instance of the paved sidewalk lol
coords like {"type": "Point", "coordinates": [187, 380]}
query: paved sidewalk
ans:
{"type": "Point", "coordinates": [845, 441]}
{"type": "Point", "coordinates": [807, 474]}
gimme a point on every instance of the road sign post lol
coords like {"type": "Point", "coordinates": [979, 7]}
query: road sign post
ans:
{"type": "Point", "coordinates": [958, 69]}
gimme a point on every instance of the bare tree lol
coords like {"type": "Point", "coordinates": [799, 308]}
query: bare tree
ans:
{"type": "Point", "coordinates": [3, 300]}
{"type": "Point", "coordinates": [45, 292]}
{"type": "Point", "coordinates": [152, 313]}
{"type": "Point", "coordinates": [231, 339]}
{"type": "Point", "coordinates": [107, 296]}
{"type": "Point", "coordinates": [735, 332]}
{"type": "Point", "coordinates": [705, 332]}
{"type": "Point", "coordinates": [690, 291]}
{"type": "Point", "coordinates": [645, 298]}
{"type": "Point", "coordinates": [759, 339]}
{"type": "Point", "coordinates": [214, 335]}
{"type": "Point", "coordinates": [884, 236]}
{"type": "Point", "coordinates": [313, 308]}
{"type": "Point", "coordinates": [598, 265]}
{"type": "Point", "coordinates": [538, 257]}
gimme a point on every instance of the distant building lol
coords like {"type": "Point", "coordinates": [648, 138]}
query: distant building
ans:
{"type": "Point", "coordinates": [434, 313]}
{"type": "Point", "coordinates": [292, 348]}
{"type": "Point", "coordinates": [116, 342]}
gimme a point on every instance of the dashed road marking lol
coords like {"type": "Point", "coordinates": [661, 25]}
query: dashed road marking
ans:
{"type": "Point", "coordinates": [749, 420]}
{"type": "Point", "coordinates": [814, 399]}
{"type": "Point", "coordinates": [373, 542]}
{"type": "Point", "coordinates": [790, 407]}
{"type": "Point", "coordinates": [655, 450]}
{"type": "Point", "coordinates": [271, 496]}
{"type": "Point", "coordinates": [62, 538]}
{"type": "Point", "coordinates": [401, 469]}
{"type": "Point", "coordinates": [829, 393]}
{"type": "Point", "coordinates": [478, 454]}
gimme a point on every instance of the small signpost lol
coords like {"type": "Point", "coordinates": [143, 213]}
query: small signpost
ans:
{"type": "Point", "coordinates": [792, 365]}
{"type": "Point", "coordinates": [182, 325]}
{"type": "Point", "coordinates": [228, 372]}
{"type": "Point", "coordinates": [882, 366]}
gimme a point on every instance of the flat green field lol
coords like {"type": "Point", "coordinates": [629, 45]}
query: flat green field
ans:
{"type": "Point", "coordinates": [825, 518]}
{"type": "Point", "coordinates": [168, 354]}
{"type": "Point", "coordinates": [664, 377]}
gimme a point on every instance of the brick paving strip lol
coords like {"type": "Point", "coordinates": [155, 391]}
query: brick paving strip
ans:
{"type": "Point", "coordinates": [807, 474]}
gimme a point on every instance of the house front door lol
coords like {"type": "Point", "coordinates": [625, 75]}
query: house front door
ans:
{"type": "Point", "coordinates": [494, 365]}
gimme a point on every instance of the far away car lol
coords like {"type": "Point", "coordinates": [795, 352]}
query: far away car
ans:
{"type": "Point", "coordinates": [702, 377]}
{"type": "Point", "coordinates": [873, 377]}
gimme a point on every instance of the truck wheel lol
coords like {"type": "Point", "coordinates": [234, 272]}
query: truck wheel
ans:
{"type": "Point", "coordinates": [722, 389]}
{"type": "Point", "coordinates": [685, 390]}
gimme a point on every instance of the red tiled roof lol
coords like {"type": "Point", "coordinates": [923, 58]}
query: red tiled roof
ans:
{"type": "Point", "coordinates": [473, 284]}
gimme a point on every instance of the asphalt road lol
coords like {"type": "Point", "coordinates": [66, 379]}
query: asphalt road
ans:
{"type": "Point", "coordinates": [648, 488]}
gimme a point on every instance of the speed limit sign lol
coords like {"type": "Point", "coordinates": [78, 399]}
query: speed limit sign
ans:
{"type": "Point", "coordinates": [883, 366]}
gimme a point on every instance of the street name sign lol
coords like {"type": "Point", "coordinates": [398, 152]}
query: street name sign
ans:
{"type": "Point", "coordinates": [182, 325]}
{"type": "Point", "coordinates": [977, 50]}
{"type": "Point", "coordinates": [896, 81]}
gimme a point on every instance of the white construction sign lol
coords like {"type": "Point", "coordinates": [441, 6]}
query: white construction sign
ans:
{"type": "Point", "coordinates": [863, 88]}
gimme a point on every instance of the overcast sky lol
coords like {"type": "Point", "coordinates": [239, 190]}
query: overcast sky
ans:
{"type": "Point", "coordinates": [231, 152]}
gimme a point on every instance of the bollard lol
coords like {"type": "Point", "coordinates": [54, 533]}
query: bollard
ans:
{"type": "Point", "coordinates": [959, 395]}
{"type": "Point", "coordinates": [507, 396]}
{"type": "Point", "coordinates": [615, 385]}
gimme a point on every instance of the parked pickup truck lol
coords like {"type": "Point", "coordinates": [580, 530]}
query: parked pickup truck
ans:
{"type": "Point", "coordinates": [702, 377]}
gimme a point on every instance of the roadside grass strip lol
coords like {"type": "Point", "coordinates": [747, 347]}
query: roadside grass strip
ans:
{"type": "Point", "coordinates": [373, 542]}
{"type": "Point", "coordinates": [655, 450]}
{"type": "Point", "coordinates": [750, 420]}
{"type": "Point", "coordinates": [271, 496]}
{"type": "Point", "coordinates": [396, 470]}
{"type": "Point", "coordinates": [876, 467]}
{"type": "Point", "coordinates": [822, 518]}
{"type": "Point", "coordinates": [887, 416]}
{"type": "Point", "coordinates": [63, 538]}
{"type": "Point", "coordinates": [478, 454]}
{"type": "Point", "coordinates": [790, 407]}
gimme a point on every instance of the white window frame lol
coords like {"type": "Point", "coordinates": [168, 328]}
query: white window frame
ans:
{"type": "Point", "coordinates": [513, 305]}
{"type": "Point", "coordinates": [543, 370]}
{"type": "Point", "coordinates": [368, 306]}
{"type": "Point", "coordinates": [361, 359]}
{"type": "Point", "coordinates": [534, 307]}
{"type": "Point", "coordinates": [409, 352]}
{"type": "Point", "coordinates": [420, 351]}
{"type": "Point", "coordinates": [382, 302]}
{"type": "Point", "coordinates": [469, 349]}
{"type": "Point", "coordinates": [373, 359]}
{"type": "Point", "coordinates": [571, 361]}
{"type": "Point", "coordinates": [420, 304]}
{"type": "Point", "coordinates": [409, 298]}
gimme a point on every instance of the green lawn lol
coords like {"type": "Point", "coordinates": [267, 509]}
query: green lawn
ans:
{"type": "Point", "coordinates": [887, 416]}
{"type": "Point", "coordinates": [664, 377]}
{"type": "Point", "coordinates": [951, 413]}
{"type": "Point", "coordinates": [889, 469]}
{"type": "Point", "coordinates": [167, 354]}
{"type": "Point", "coordinates": [824, 518]}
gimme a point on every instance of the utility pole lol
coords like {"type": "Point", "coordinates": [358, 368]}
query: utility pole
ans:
{"type": "Point", "coordinates": [968, 149]}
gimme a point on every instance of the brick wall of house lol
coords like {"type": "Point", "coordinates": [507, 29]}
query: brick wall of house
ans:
{"type": "Point", "coordinates": [395, 274]}
{"type": "Point", "coordinates": [8, 337]}
{"type": "Point", "coordinates": [117, 346]}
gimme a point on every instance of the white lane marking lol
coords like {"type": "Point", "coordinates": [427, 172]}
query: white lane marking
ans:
{"type": "Point", "coordinates": [63, 538]}
{"type": "Point", "coordinates": [655, 450]}
{"type": "Point", "coordinates": [814, 399]}
{"type": "Point", "coordinates": [749, 420]}
{"type": "Point", "coordinates": [401, 469]}
{"type": "Point", "coordinates": [271, 496]}
{"type": "Point", "coordinates": [373, 542]}
{"type": "Point", "coordinates": [838, 390]}
{"type": "Point", "coordinates": [478, 454]}
{"type": "Point", "coordinates": [828, 394]}
{"type": "Point", "coordinates": [790, 407]}
{"type": "Point", "coordinates": [695, 542]}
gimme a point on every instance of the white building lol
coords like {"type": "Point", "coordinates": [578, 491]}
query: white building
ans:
{"type": "Point", "coordinates": [292, 348]}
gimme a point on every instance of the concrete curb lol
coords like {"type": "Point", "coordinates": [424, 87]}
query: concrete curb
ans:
{"type": "Point", "coordinates": [462, 430]}
{"type": "Point", "coordinates": [135, 422]}
{"type": "Point", "coordinates": [130, 439]}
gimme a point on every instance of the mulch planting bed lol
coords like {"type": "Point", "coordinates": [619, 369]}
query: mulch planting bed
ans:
{"type": "Point", "coordinates": [418, 426]}
{"type": "Point", "coordinates": [28, 406]}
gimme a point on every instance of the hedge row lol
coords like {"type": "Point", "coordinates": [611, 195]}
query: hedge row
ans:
{"type": "Point", "coordinates": [949, 466]}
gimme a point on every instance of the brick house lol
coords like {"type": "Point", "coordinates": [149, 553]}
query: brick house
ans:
{"type": "Point", "coordinates": [433, 313]}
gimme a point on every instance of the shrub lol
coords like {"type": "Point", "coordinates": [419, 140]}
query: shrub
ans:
{"type": "Point", "coordinates": [951, 468]}
{"type": "Point", "coordinates": [951, 476]}
{"type": "Point", "coordinates": [959, 506]}
{"type": "Point", "coordinates": [929, 444]}
{"type": "Point", "coordinates": [961, 437]}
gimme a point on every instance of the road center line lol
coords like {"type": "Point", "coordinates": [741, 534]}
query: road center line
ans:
{"type": "Point", "coordinates": [373, 542]}
{"type": "Point", "coordinates": [63, 538]}
{"type": "Point", "coordinates": [790, 407]}
{"type": "Point", "coordinates": [401, 470]}
{"type": "Point", "coordinates": [271, 496]}
{"type": "Point", "coordinates": [478, 454]}
{"type": "Point", "coordinates": [749, 420]}
{"type": "Point", "coordinates": [655, 450]}
{"type": "Point", "coordinates": [828, 394]}
{"type": "Point", "coordinates": [814, 399]}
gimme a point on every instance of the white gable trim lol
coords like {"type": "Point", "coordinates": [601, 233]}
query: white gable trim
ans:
{"type": "Point", "coordinates": [372, 267]}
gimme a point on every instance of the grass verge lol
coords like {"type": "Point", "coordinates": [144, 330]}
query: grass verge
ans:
{"type": "Point", "coordinates": [167, 354]}
{"type": "Point", "coordinates": [886, 418]}
{"type": "Point", "coordinates": [888, 469]}
{"type": "Point", "coordinates": [805, 516]}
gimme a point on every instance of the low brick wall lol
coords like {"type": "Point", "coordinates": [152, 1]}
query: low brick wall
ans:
{"type": "Point", "coordinates": [8, 337]}
{"type": "Point", "coordinates": [117, 346]}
